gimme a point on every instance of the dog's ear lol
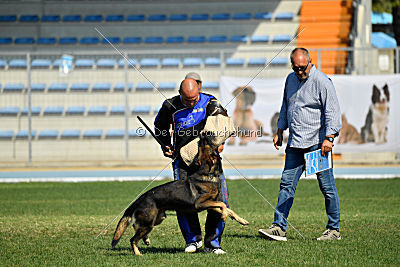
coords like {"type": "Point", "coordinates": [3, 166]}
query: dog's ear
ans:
{"type": "Point", "coordinates": [386, 91]}
{"type": "Point", "coordinates": [376, 94]}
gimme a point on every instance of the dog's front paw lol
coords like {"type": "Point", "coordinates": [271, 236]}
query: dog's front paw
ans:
{"type": "Point", "coordinates": [146, 240]}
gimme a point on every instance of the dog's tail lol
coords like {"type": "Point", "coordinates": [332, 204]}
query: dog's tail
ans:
{"type": "Point", "coordinates": [119, 231]}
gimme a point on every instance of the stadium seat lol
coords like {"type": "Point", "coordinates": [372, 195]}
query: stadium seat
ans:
{"type": "Point", "coordinates": [115, 18]}
{"type": "Point", "coordinates": [166, 86]}
{"type": "Point", "coordinates": [6, 134]}
{"type": "Point", "coordinates": [93, 133]}
{"type": "Point", "coordinates": [24, 40]}
{"type": "Point", "coordinates": [196, 39]}
{"type": "Point", "coordinates": [382, 40]}
{"type": "Point", "coordinates": [144, 86]}
{"type": "Point", "coordinates": [57, 87]}
{"type": "Point", "coordinates": [137, 133]}
{"type": "Point", "coordinates": [141, 110]}
{"type": "Point", "coordinates": [149, 62]}
{"type": "Point", "coordinates": [138, 17]}
{"type": "Point", "coordinates": [3, 63]}
{"type": "Point", "coordinates": [46, 41]}
{"type": "Point", "coordinates": [279, 61]}
{"type": "Point", "coordinates": [5, 40]}
{"type": "Point", "coordinates": [13, 87]}
{"type": "Point", "coordinates": [53, 110]}
{"type": "Point", "coordinates": [263, 15]}
{"type": "Point", "coordinates": [153, 40]}
{"type": "Point", "coordinates": [221, 16]}
{"type": "Point", "coordinates": [106, 63]}
{"type": "Point", "coordinates": [41, 63]}
{"type": "Point", "coordinates": [84, 63]}
{"type": "Point", "coordinates": [89, 40]}
{"type": "Point", "coordinates": [117, 110]}
{"type": "Point", "coordinates": [175, 40]}
{"type": "Point", "coordinates": [132, 40]}
{"type": "Point", "coordinates": [192, 62]}
{"type": "Point", "coordinates": [75, 110]}
{"type": "Point", "coordinates": [28, 18]}
{"type": "Point", "coordinates": [282, 38]}
{"type": "Point", "coordinates": [256, 62]}
{"type": "Point", "coordinates": [200, 17]}
{"type": "Point", "coordinates": [67, 40]}
{"type": "Point", "coordinates": [238, 39]}
{"type": "Point", "coordinates": [93, 18]}
{"type": "Point", "coordinates": [234, 61]}
{"type": "Point", "coordinates": [210, 85]}
{"type": "Point", "coordinates": [8, 18]}
{"type": "Point", "coordinates": [70, 133]}
{"type": "Point", "coordinates": [120, 87]}
{"type": "Point", "coordinates": [79, 87]}
{"type": "Point", "coordinates": [97, 110]}
{"type": "Point", "coordinates": [170, 62]}
{"type": "Point", "coordinates": [48, 134]}
{"type": "Point", "coordinates": [101, 87]}
{"type": "Point", "coordinates": [132, 62]}
{"type": "Point", "coordinates": [72, 18]}
{"type": "Point", "coordinates": [259, 39]}
{"type": "Point", "coordinates": [217, 39]}
{"type": "Point", "coordinates": [212, 62]}
{"type": "Point", "coordinates": [35, 111]}
{"type": "Point", "coordinates": [284, 16]}
{"type": "Point", "coordinates": [115, 133]}
{"type": "Point", "coordinates": [24, 134]}
{"type": "Point", "coordinates": [38, 87]}
{"type": "Point", "coordinates": [113, 40]}
{"type": "Point", "coordinates": [50, 18]}
{"type": "Point", "coordinates": [178, 17]}
{"type": "Point", "coordinates": [157, 17]}
{"type": "Point", "coordinates": [157, 109]}
{"type": "Point", "coordinates": [242, 16]}
{"type": "Point", "coordinates": [9, 111]}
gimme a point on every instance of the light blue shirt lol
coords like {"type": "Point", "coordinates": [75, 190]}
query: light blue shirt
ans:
{"type": "Point", "coordinates": [310, 109]}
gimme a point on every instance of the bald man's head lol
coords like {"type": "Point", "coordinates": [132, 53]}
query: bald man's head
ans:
{"type": "Point", "coordinates": [189, 91]}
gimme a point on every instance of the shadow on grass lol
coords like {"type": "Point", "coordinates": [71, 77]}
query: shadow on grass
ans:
{"type": "Point", "coordinates": [144, 250]}
{"type": "Point", "coordinates": [242, 236]}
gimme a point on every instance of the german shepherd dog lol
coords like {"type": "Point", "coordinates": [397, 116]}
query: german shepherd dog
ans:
{"type": "Point", "coordinates": [200, 191]}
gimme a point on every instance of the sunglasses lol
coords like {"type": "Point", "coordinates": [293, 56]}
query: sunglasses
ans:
{"type": "Point", "coordinates": [300, 68]}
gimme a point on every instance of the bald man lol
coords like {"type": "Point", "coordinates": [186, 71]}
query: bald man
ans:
{"type": "Point", "coordinates": [187, 113]}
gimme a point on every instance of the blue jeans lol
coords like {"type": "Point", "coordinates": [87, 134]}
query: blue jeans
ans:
{"type": "Point", "coordinates": [294, 167]}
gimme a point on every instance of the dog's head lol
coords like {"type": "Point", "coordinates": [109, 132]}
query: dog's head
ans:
{"type": "Point", "coordinates": [245, 97]}
{"type": "Point", "coordinates": [380, 95]}
{"type": "Point", "coordinates": [208, 159]}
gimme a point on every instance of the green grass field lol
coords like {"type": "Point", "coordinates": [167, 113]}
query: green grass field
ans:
{"type": "Point", "coordinates": [56, 224]}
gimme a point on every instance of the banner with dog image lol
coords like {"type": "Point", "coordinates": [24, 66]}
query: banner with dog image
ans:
{"type": "Point", "coordinates": [371, 120]}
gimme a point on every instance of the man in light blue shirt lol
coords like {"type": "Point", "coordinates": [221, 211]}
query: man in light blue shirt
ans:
{"type": "Point", "coordinates": [311, 112]}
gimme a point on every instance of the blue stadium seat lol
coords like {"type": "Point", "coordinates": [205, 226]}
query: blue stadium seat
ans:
{"type": "Point", "coordinates": [141, 110]}
{"type": "Point", "coordinates": [192, 62]}
{"type": "Point", "coordinates": [280, 61]}
{"type": "Point", "coordinates": [210, 85]}
{"type": "Point", "coordinates": [72, 18]}
{"type": "Point", "coordinates": [38, 87]}
{"type": "Point", "coordinates": [97, 110]}
{"type": "Point", "coordinates": [132, 40]}
{"type": "Point", "coordinates": [120, 87]}
{"type": "Point", "coordinates": [75, 110]}
{"type": "Point", "coordinates": [53, 110]}
{"type": "Point", "coordinates": [84, 63]}
{"type": "Point", "coordinates": [256, 62]}
{"type": "Point", "coordinates": [70, 133]}
{"type": "Point", "coordinates": [117, 110]}
{"type": "Point", "coordinates": [175, 40]}
{"type": "Point", "coordinates": [137, 133]}
{"type": "Point", "coordinates": [3, 63]}
{"type": "Point", "coordinates": [17, 63]}
{"type": "Point", "coordinates": [113, 40]}
{"type": "Point", "coordinates": [221, 16]}
{"type": "Point", "coordinates": [157, 17]}
{"type": "Point", "coordinates": [5, 40]}
{"type": "Point", "coordinates": [24, 134]}
{"type": "Point", "coordinates": [8, 18]}
{"type": "Point", "coordinates": [136, 17]}
{"type": "Point", "coordinates": [9, 111]}
{"type": "Point", "coordinates": [263, 15]}
{"type": "Point", "coordinates": [93, 18]}
{"type": "Point", "coordinates": [178, 17]}
{"type": "Point", "coordinates": [115, 133]}
{"type": "Point", "coordinates": [238, 39]}
{"type": "Point", "coordinates": [242, 16]}
{"type": "Point", "coordinates": [170, 62]}
{"type": "Point", "coordinates": [67, 40]}
{"type": "Point", "coordinates": [132, 62]}
{"type": "Point", "coordinates": [79, 87]}
{"type": "Point", "coordinates": [41, 63]}
{"type": "Point", "coordinates": [48, 134]}
{"type": "Point", "coordinates": [157, 109]}
{"type": "Point", "coordinates": [212, 61]}
{"type": "Point", "coordinates": [13, 87]}
{"type": "Point", "coordinates": [46, 41]}
{"type": "Point", "coordinates": [196, 39]}
{"type": "Point", "coordinates": [166, 86]}
{"type": "Point", "coordinates": [259, 39]}
{"type": "Point", "coordinates": [28, 18]}
{"type": "Point", "coordinates": [282, 38]}
{"type": "Point", "coordinates": [89, 40]}
{"type": "Point", "coordinates": [101, 87]}
{"type": "Point", "coordinates": [24, 40]}
{"type": "Point", "coordinates": [106, 63]}
{"type": "Point", "coordinates": [57, 87]}
{"type": "Point", "coordinates": [153, 40]}
{"type": "Point", "coordinates": [217, 39]}
{"type": "Point", "coordinates": [6, 134]}
{"type": "Point", "coordinates": [200, 17]}
{"type": "Point", "coordinates": [234, 61]}
{"type": "Point", "coordinates": [149, 62]}
{"type": "Point", "coordinates": [284, 16]}
{"type": "Point", "coordinates": [382, 40]}
{"type": "Point", "coordinates": [144, 86]}
{"type": "Point", "coordinates": [35, 111]}
{"type": "Point", "coordinates": [115, 18]}
{"type": "Point", "coordinates": [50, 18]}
